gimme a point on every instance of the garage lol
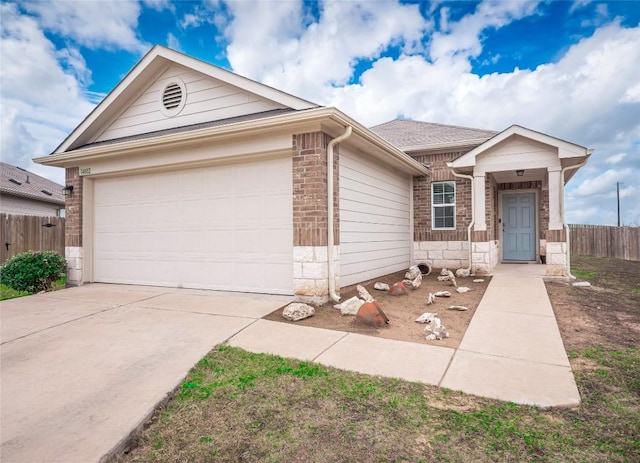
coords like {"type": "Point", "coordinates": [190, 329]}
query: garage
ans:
{"type": "Point", "coordinates": [225, 227]}
{"type": "Point", "coordinates": [375, 219]}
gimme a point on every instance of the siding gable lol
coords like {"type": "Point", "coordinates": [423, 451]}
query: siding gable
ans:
{"type": "Point", "coordinates": [207, 99]}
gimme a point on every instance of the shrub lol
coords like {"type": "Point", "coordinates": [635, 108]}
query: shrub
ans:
{"type": "Point", "coordinates": [33, 271]}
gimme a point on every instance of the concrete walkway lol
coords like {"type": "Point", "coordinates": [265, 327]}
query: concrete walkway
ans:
{"type": "Point", "coordinates": [511, 351]}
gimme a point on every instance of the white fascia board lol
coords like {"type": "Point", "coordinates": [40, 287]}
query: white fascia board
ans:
{"type": "Point", "coordinates": [289, 120]}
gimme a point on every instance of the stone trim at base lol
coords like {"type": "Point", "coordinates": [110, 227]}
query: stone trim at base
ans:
{"type": "Point", "coordinates": [442, 254]}
{"type": "Point", "coordinates": [557, 259]}
{"type": "Point", "coordinates": [75, 258]}
{"type": "Point", "coordinates": [311, 271]}
{"type": "Point", "coordinates": [484, 257]}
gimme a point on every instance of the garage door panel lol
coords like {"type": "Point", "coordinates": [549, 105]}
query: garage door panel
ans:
{"type": "Point", "coordinates": [216, 223]}
{"type": "Point", "coordinates": [374, 219]}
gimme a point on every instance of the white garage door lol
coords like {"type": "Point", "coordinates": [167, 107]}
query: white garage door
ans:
{"type": "Point", "coordinates": [224, 227]}
{"type": "Point", "coordinates": [375, 235]}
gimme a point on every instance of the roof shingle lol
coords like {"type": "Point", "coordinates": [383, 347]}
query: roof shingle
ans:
{"type": "Point", "coordinates": [20, 182]}
{"type": "Point", "coordinates": [405, 133]}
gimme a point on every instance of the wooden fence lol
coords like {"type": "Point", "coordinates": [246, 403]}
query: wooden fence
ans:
{"type": "Point", "coordinates": [19, 233]}
{"type": "Point", "coordinates": [605, 241]}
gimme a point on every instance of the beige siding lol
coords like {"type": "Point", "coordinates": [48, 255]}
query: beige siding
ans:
{"type": "Point", "coordinates": [374, 219]}
{"type": "Point", "coordinates": [10, 204]}
{"type": "Point", "coordinates": [517, 153]}
{"type": "Point", "coordinates": [207, 100]}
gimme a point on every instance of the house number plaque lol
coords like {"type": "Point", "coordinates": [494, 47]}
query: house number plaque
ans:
{"type": "Point", "coordinates": [85, 171]}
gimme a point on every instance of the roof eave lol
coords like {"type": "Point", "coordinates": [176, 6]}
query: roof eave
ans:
{"type": "Point", "coordinates": [404, 161]}
{"type": "Point", "coordinates": [432, 147]}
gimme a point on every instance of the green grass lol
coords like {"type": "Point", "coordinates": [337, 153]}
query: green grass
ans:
{"type": "Point", "coordinates": [239, 406]}
{"type": "Point", "coordinates": [9, 293]}
{"type": "Point", "coordinates": [584, 275]}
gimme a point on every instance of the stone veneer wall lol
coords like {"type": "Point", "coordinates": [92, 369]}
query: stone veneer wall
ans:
{"type": "Point", "coordinates": [310, 218]}
{"type": "Point", "coordinates": [73, 228]}
{"type": "Point", "coordinates": [442, 254]}
{"type": "Point", "coordinates": [484, 257]}
{"type": "Point", "coordinates": [556, 249]}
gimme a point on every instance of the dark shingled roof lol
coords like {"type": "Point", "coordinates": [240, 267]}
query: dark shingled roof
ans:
{"type": "Point", "coordinates": [19, 182]}
{"type": "Point", "coordinates": [405, 133]}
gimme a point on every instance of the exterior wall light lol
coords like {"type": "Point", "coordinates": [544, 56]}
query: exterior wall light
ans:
{"type": "Point", "coordinates": [66, 191]}
{"type": "Point", "coordinates": [520, 172]}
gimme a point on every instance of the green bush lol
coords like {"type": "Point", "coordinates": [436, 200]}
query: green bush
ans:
{"type": "Point", "coordinates": [33, 271]}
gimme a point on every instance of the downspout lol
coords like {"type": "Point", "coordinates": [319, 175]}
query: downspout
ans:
{"type": "Point", "coordinates": [564, 223]}
{"type": "Point", "coordinates": [330, 237]}
{"type": "Point", "coordinates": [473, 212]}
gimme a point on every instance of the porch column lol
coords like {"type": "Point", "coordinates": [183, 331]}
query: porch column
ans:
{"type": "Point", "coordinates": [555, 192]}
{"type": "Point", "coordinates": [479, 213]}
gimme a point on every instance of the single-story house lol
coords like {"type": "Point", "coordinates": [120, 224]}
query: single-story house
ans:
{"type": "Point", "coordinates": [26, 193]}
{"type": "Point", "coordinates": [188, 175]}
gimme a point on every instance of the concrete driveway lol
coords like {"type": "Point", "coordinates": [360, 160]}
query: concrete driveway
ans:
{"type": "Point", "coordinates": [82, 367]}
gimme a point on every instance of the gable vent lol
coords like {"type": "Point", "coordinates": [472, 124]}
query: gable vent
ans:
{"type": "Point", "coordinates": [172, 96]}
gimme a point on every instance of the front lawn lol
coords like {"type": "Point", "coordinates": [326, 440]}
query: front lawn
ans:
{"type": "Point", "coordinates": [9, 293]}
{"type": "Point", "coordinates": [238, 406]}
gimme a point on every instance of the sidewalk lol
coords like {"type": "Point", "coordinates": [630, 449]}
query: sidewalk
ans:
{"type": "Point", "coordinates": [511, 351]}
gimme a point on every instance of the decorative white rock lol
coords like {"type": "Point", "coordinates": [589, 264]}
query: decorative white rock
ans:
{"type": "Point", "coordinates": [452, 279]}
{"type": "Point", "coordinates": [443, 278]}
{"type": "Point", "coordinates": [442, 294]}
{"type": "Point", "coordinates": [364, 294]}
{"type": "Point", "coordinates": [463, 272]}
{"type": "Point", "coordinates": [426, 317]}
{"type": "Point", "coordinates": [444, 272]}
{"type": "Point", "coordinates": [478, 280]}
{"type": "Point", "coordinates": [431, 299]}
{"type": "Point", "coordinates": [463, 289]}
{"type": "Point", "coordinates": [298, 311]}
{"type": "Point", "coordinates": [459, 308]}
{"type": "Point", "coordinates": [436, 330]}
{"type": "Point", "coordinates": [581, 284]}
{"type": "Point", "coordinates": [413, 272]}
{"type": "Point", "coordinates": [381, 286]}
{"type": "Point", "coordinates": [415, 283]}
{"type": "Point", "coordinates": [350, 306]}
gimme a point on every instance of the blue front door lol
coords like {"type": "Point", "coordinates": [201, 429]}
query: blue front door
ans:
{"type": "Point", "coordinates": [518, 226]}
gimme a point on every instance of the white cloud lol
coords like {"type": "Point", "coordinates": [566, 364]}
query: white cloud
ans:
{"type": "Point", "coordinates": [41, 99]}
{"type": "Point", "coordinates": [173, 42]}
{"type": "Point", "coordinates": [616, 158]}
{"type": "Point", "coordinates": [93, 24]}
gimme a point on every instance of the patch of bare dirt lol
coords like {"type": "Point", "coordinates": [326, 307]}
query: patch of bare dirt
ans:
{"type": "Point", "coordinates": [402, 311]}
{"type": "Point", "coordinates": [605, 314]}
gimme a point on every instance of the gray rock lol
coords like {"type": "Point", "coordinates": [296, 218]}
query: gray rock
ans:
{"type": "Point", "coordinates": [298, 311]}
{"type": "Point", "coordinates": [381, 286]}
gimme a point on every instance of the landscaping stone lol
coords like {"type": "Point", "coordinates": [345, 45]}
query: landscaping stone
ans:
{"type": "Point", "coordinates": [444, 272]}
{"type": "Point", "coordinates": [364, 294]}
{"type": "Point", "coordinates": [415, 283]}
{"type": "Point", "coordinates": [398, 289]}
{"type": "Point", "coordinates": [350, 306]}
{"type": "Point", "coordinates": [452, 279]}
{"type": "Point", "coordinates": [581, 284]}
{"type": "Point", "coordinates": [426, 317]}
{"type": "Point", "coordinates": [435, 330]}
{"type": "Point", "coordinates": [463, 273]}
{"type": "Point", "coordinates": [463, 289]}
{"type": "Point", "coordinates": [459, 308]}
{"type": "Point", "coordinates": [431, 299]}
{"type": "Point", "coordinates": [381, 286]}
{"type": "Point", "coordinates": [298, 311]}
{"type": "Point", "coordinates": [443, 278]}
{"type": "Point", "coordinates": [371, 314]}
{"type": "Point", "coordinates": [442, 294]}
{"type": "Point", "coordinates": [413, 272]}
{"type": "Point", "coordinates": [478, 280]}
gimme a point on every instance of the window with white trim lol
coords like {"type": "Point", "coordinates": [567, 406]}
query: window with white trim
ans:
{"type": "Point", "coordinates": [443, 205]}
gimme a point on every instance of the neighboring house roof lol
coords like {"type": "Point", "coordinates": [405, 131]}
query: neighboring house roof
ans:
{"type": "Point", "coordinates": [19, 182]}
{"type": "Point", "coordinates": [411, 135]}
{"type": "Point", "coordinates": [151, 66]}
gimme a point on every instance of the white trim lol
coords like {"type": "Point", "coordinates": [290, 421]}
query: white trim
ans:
{"type": "Point", "coordinates": [433, 206]}
{"type": "Point", "coordinates": [565, 149]}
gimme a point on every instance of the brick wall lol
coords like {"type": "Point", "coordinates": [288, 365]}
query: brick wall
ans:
{"type": "Point", "coordinates": [310, 189]}
{"type": "Point", "coordinates": [422, 199]}
{"type": "Point", "coordinates": [73, 206]}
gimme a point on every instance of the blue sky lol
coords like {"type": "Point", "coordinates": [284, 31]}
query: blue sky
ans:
{"type": "Point", "coordinates": [569, 69]}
